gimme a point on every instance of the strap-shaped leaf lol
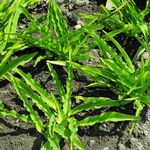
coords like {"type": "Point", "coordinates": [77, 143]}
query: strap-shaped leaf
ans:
{"type": "Point", "coordinates": [96, 103]}
{"type": "Point", "coordinates": [107, 117]}
{"type": "Point", "coordinates": [65, 133]}
{"type": "Point", "coordinates": [10, 50]}
{"type": "Point", "coordinates": [52, 141]}
{"type": "Point", "coordinates": [9, 21]}
{"type": "Point", "coordinates": [122, 75]}
{"type": "Point", "coordinates": [33, 20]}
{"type": "Point", "coordinates": [35, 118]}
{"type": "Point", "coordinates": [58, 84]}
{"type": "Point", "coordinates": [123, 53]}
{"type": "Point", "coordinates": [60, 113]}
{"type": "Point", "coordinates": [14, 114]}
{"type": "Point", "coordinates": [93, 72]}
{"type": "Point", "coordinates": [69, 87]}
{"type": "Point", "coordinates": [15, 63]}
{"type": "Point", "coordinates": [55, 14]}
{"type": "Point", "coordinates": [103, 46]}
{"type": "Point", "coordinates": [38, 101]}
{"type": "Point", "coordinates": [73, 130]}
{"type": "Point", "coordinates": [35, 86]}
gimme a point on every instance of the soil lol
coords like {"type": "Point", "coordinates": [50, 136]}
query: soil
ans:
{"type": "Point", "coordinates": [17, 135]}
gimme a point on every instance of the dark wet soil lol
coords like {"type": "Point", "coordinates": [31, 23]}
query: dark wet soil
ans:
{"type": "Point", "coordinates": [16, 135]}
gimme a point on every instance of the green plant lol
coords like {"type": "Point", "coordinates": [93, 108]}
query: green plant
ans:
{"type": "Point", "coordinates": [50, 32]}
{"type": "Point", "coordinates": [126, 18]}
{"type": "Point", "coordinates": [61, 121]}
{"type": "Point", "coordinates": [9, 16]}
{"type": "Point", "coordinates": [9, 43]}
{"type": "Point", "coordinates": [117, 72]}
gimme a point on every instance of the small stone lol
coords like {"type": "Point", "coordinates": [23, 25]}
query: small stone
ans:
{"type": "Point", "coordinates": [59, 1]}
{"type": "Point", "coordinates": [121, 147]}
{"type": "Point", "coordinates": [145, 55]}
{"type": "Point", "coordinates": [91, 143]}
{"type": "Point", "coordinates": [78, 26]}
{"type": "Point", "coordinates": [109, 5]}
{"type": "Point", "coordinates": [70, 6]}
{"type": "Point", "coordinates": [106, 148]}
{"type": "Point", "coordinates": [82, 2]}
{"type": "Point", "coordinates": [21, 26]}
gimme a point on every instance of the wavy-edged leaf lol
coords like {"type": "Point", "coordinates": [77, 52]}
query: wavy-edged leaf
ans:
{"type": "Point", "coordinates": [93, 71]}
{"type": "Point", "coordinates": [55, 62]}
{"type": "Point", "coordinates": [33, 20]}
{"type": "Point", "coordinates": [14, 114]}
{"type": "Point", "coordinates": [107, 117]}
{"type": "Point", "coordinates": [99, 84]}
{"type": "Point", "coordinates": [35, 118]}
{"type": "Point", "coordinates": [65, 133]}
{"type": "Point", "coordinates": [122, 75]}
{"type": "Point", "coordinates": [73, 130]}
{"type": "Point", "coordinates": [10, 51]}
{"type": "Point", "coordinates": [38, 101]}
{"type": "Point", "coordinates": [96, 103]}
{"type": "Point", "coordinates": [52, 141]}
{"type": "Point", "coordinates": [58, 84]}
{"type": "Point", "coordinates": [15, 63]}
{"type": "Point", "coordinates": [69, 88]}
{"type": "Point", "coordinates": [55, 14]}
{"type": "Point", "coordinates": [35, 86]}
{"type": "Point", "coordinates": [60, 116]}
{"type": "Point", "coordinates": [122, 51]}
{"type": "Point", "coordinates": [9, 21]}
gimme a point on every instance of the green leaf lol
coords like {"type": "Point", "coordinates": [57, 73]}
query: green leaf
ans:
{"type": "Point", "coordinates": [122, 51]}
{"type": "Point", "coordinates": [46, 146]}
{"type": "Point", "coordinates": [14, 114]}
{"type": "Point", "coordinates": [45, 96]}
{"type": "Point", "coordinates": [107, 117]}
{"type": "Point", "coordinates": [73, 130]}
{"type": "Point", "coordinates": [65, 133]}
{"type": "Point", "coordinates": [35, 118]}
{"type": "Point", "coordinates": [15, 63]}
{"type": "Point", "coordinates": [96, 103]}
{"type": "Point", "coordinates": [10, 51]}
{"type": "Point", "coordinates": [51, 144]}
{"type": "Point", "coordinates": [122, 75]}
{"type": "Point", "coordinates": [3, 4]}
{"type": "Point", "coordinates": [93, 71]}
{"type": "Point", "coordinates": [69, 88]}
{"type": "Point", "coordinates": [54, 143]}
{"type": "Point", "coordinates": [56, 17]}
{"type": "Point", "coordinates": [146, 100]}
{"type": "Point", "coordinates": [38, 101]}
{"type": "Point", "coordinates": [55, 62]}
{"type": "Point", "coordinates": [51, 126]}
{"type": "Point", "coordinates": [58, 83]}
{"type": "Point", "coordinates": [62, 131]}
{"type": "Point", "coordinates": [33, 20]}
{"type": "Point", "coordinates": [82, 57]}
{"type": "Point", "coordinates": [98, 84]}
{"type": "Point", "coordinates": [40, 58]}
{"type": "Point", "coordinates": [9, 16]}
